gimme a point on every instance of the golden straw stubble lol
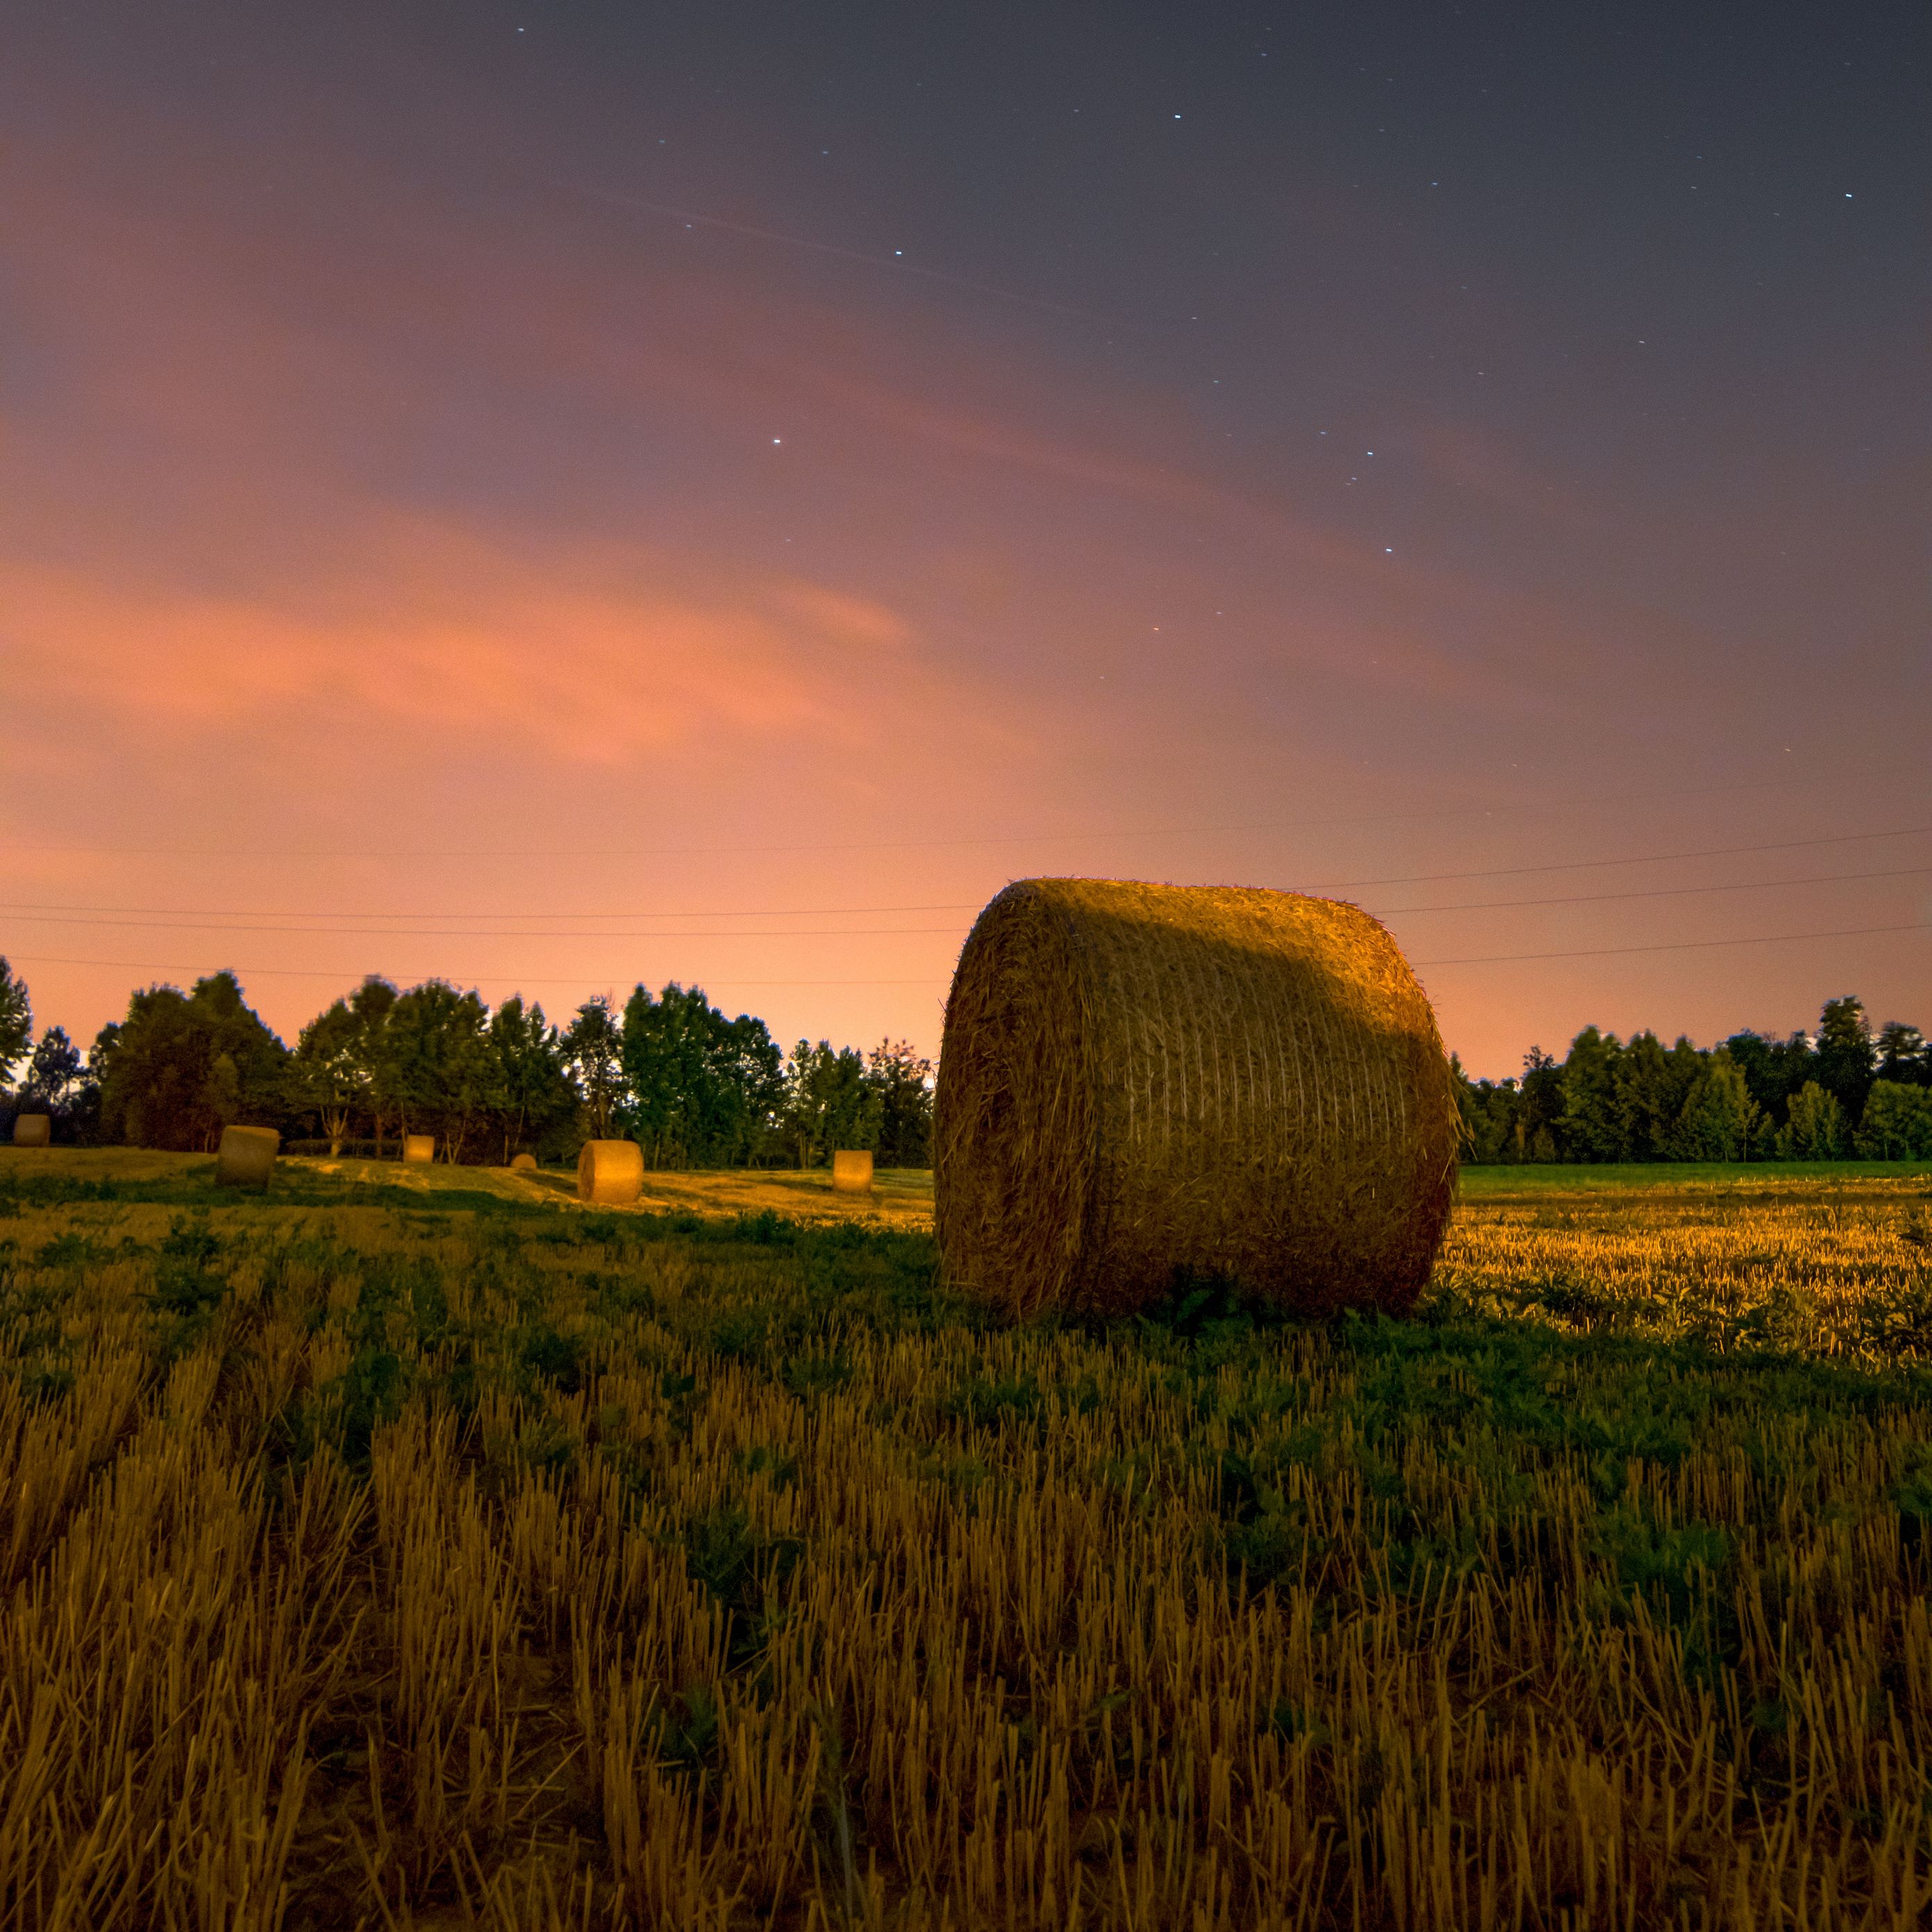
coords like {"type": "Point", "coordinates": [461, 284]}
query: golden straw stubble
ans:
{"type": "Point", "coordinates": [1140, 1084]}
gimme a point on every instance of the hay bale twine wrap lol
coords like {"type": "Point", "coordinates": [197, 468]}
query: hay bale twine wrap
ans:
{"type": "Point", "coordinates": [418, 1150]}
{"type": "Point", "coordinates": [852, 1170]}
{"type": "Point", "coordinates": [246, 1157]}
{"type": "Point", "coordinates": [33, 1130]}
{"type": "Point", "coordinates": [1141, 1083]}
{"type": "Point", "coordinates": [609, 1173]}
{"type": "Point", "coordinates": [524, 1163]}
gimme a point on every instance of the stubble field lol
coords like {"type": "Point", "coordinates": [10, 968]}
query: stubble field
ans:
{"type": "Point", "coordinates": [422, 1550]}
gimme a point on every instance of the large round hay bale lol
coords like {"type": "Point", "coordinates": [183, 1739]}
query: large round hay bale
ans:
{"type": "Point", "coordinates": [852, 1170]}
{"type": "Point", "coordinates": [247, 1157]}
{"type": "Point", "coordinates": [609, 1173]}
{"type": "Point", "coordinates": [1140, 1085]}
{"type": "Point", "coordinates": [418, 1150]}
{"type": "Point", "coordinates": [524, 1163]}
{"type": "Point", "coordinates": [33, 1130]}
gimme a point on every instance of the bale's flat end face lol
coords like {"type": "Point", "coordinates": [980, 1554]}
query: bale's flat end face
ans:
{"type": "Point", "coordinates": [610, 1174]}
{"type": "Point", "coordinates": [1013, 1129]}
{"type": "Point", "coordinates": [246, 1157]}
{"type": "Point", "coordinates": [418, 1150]}
{"type": "Point", "coordinates": [852, 1170]}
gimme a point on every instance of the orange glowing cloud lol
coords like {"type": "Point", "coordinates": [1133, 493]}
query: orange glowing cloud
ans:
{"type": "Point", "coordinates": [588, 657]}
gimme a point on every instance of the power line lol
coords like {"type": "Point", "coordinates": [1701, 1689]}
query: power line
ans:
{"type": "Point", "coordinates": [474, 932]}
{"type": "Point", "coordinates": [56, 913]}
{"type": "Point", "coordinates": [585, 978]}
{"type": "Point", "coordinates": [1649, 859]}
{"type": "Point", "coordinates": [1672, 946]}
{"type": "Point", "coordinates": [471, 978]}
{"type": "Point", "coordinates": [1657, 893]}
{"type": "Point", "coordinates": [1584, 802]}
{"type": "Point", "coordinates": [67, 918]}
{"type": "Point", "coordinates": [733, 912]}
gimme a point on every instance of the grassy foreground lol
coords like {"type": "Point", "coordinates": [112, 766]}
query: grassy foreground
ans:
{"type": "Point", "coordinates": [429, 1551]}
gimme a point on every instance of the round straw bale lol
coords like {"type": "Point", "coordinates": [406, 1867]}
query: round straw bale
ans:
{"type": "Point", "coordinates": [247, 1157]}
{"type": "Point", "coordinates": [610, 1172]}
{"type": "Point", "coordinates": [852, 1170]}
{"type": "Point", "coordinates": [418, 1150]}
{"type": "Point", "coordinates": [524, 1163]}
{"type": "Point", "coordinates": [33, 1129]}
{"type": "Point", "coordinates": [1141, 1085]}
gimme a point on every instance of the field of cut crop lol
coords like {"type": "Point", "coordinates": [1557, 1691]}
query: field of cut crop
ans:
{"type": "Point", "coordinates": [419, 1549]}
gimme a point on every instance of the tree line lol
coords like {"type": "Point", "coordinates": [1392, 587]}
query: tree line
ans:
{"type": "Point", "coordinates": [696, 1089]}
{"type": "Point", "coordinates": [1839, 1093]}
{"type": "Point", "coordinates": [669, 1070]}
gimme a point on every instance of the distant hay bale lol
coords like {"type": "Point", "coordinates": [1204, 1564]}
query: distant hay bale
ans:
{"type": "Point", "coordinates": [524, 1163]}
{"type": "Point", "coordinates": [609, 1173]}
{"type": "Point", "coordinates": [247, 1157]}
{"type": "Point", "coordinates": [33, 1130]}
{"type": "Point", "coordinates": [1140, 1085]}
{"type": "Point", "coordinates": [852, 1170]}
{"type": "Point", "coordinates": [418, 1150]}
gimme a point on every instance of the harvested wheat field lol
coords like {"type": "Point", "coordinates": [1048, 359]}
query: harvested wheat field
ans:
{"type": "Point", "coordinates": [450, 1554]}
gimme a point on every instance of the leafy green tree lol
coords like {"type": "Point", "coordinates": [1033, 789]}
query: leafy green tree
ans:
{"type": "Point", "coordinates": [100, 1055]}
{"type": "Point", "coordinates": [535, 1100]}
{"type": "Point", "coordinates": [16, 1020]}
{"type": "Point", "coordinates": [1756, 1056]}
{"type": "Point", "coordinates": [1647, 1102]}
{"type": "Point", "coordinates": [1902, 1058]}
{"type": "Point", "coordinates": [1488, 1109]}
{"type": "Point", "coordinates": [1898, 1122]}
{"type": "Point", "coordinates": [440, 1059]}
{"type": "Point", "coordinates": [903, 1081]}
{"type": "Point", "coordinates": [329, 1074]}
{"type": "Point", "coordinates": [184, 1066]}
{"type": "Point", "coordinates": [1720, 1121]}
{"type": "Point", "coordinates": [829, 1104]}
{"type": "Point", "coordinates": [1542, 1108]}
{"type": "Point", "coordinates": [1590, 1122]}
{"type": "Point", "coordinates": [593, 1052]}
{"type": "Point", "coordinates": [377, 1071]}
{"type": "Point", "coordinates": [703, 1088]}
{"type": "Point", "coordinates": [53, 1072]}
{"type": "Point", "coordinates": [1816, 1130]}
{"type": "Point", "coordinates": [1847, 1061]}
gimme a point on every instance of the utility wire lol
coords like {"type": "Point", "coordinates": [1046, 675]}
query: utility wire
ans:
{"type": "Point", "coordinates": [1584, 802]}
{"type": "Point", "coordinates": [1672, 946]}
{"type": "Point", "coordinates": [585, 978]}
{"type": "Point", "coordinates": [1657, 892]}
{"type": "Point", "coordinates": [471, 978]}
{"type": "Point", "coordinates": [1648, 858]}
{"type": "Point", "coordinates": [48, 918]}
{"type": "Point", "coordinates": [56, 913]}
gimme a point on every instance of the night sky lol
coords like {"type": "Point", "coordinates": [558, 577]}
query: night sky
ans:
{"type": "Point", "coordinates": [554, 496]}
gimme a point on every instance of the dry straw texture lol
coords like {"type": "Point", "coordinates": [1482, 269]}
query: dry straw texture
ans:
{"type": "Point", "coordinates": [383, 1567]}
{"type": "Point", "coordinates": [1141, 1082]}
{"type": "Point", "coordinates": [33, 1130]}
{"type": "Point", "coordinates": [247, 1157]}
{"type": "Point", "coordinates": [419, 1149]}
{"type": "Point", "coordinates": [610, 1173]}
{"type": "Point", "coordinates": [852, 1170]}
{"type": "Point", "coordinates": [524, 1163]}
